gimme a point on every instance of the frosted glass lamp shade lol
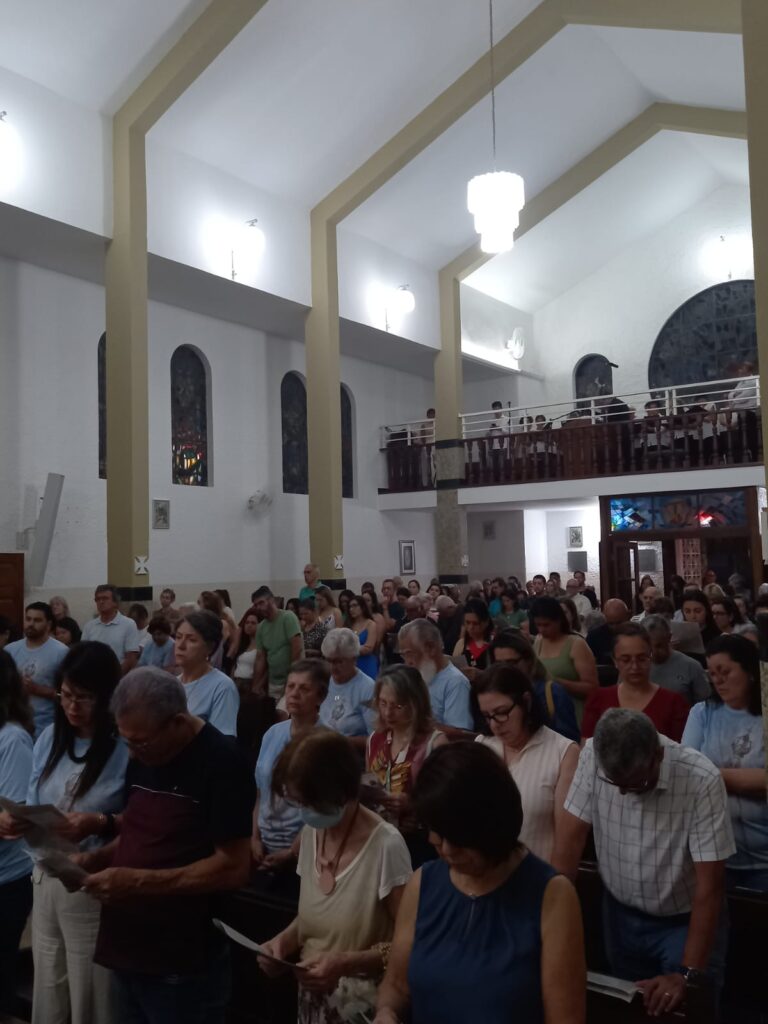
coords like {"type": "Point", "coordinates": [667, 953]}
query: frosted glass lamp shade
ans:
{"type": "Point", "coordinates": [495, 200]}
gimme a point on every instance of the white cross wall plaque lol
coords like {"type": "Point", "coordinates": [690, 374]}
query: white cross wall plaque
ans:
{"type": "Point", "coordinates": [140, 567]}
{"type": "Point", "coordinates": [338, 561]}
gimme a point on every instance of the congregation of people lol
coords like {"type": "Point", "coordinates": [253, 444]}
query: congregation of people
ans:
{"type": "Point", "coordinates": [421, 771]}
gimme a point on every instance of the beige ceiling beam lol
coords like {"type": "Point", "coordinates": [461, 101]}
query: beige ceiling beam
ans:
{"type": "Point", "coordinates": [657, 118]}
{"type": "Point", "coordinates": [126, 289]}
{"type": "Point", "coordinates": [322, 329]}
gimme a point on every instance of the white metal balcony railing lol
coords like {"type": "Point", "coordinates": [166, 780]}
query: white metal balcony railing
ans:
{"type": "Point", "coordinates": [712, 400]}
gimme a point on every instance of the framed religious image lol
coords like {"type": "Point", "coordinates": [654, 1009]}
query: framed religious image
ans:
{"type": "Point", "coordinates": [575, 537]}
{"type": "Point", "coordinates": [407, 557]}
{"type": "Point", "coordinates": [161, 515]}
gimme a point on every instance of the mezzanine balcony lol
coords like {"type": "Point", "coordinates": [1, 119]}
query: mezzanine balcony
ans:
{"type": "Point", "coordinates": [713, 424]}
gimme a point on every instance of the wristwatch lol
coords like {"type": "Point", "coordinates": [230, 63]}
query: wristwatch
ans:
{"type": "Point", "coordinates": [691, 974]}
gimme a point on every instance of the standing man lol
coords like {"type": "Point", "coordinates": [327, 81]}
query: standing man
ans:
{"type": "Point", "coordinates": [393, 611]}
{"type": "Point", "coordinates": [278, 644]}
{"type": "Point", "coordinates": [601, 639]}
{"type": "Point", "coordinates": [311, 581]}
{"type": "Point", "coordinates": [184, 837]}
{"type": "Point", "coordinates": [582, 603]}
{"type": "Point", "coordinates": [662, 832]}
{"type": "Point", "coordinates": [113, 628]}
{"type": "Point", "coordinates": [37, 658]}
{"type": "Point", "coordinates": [557, 579]}
{"type": "Point", "coordinates": [647, 598]}
{"type": "Point", "coordinates": [671, 669]}
{"type": "Point", "coordinates": [450, 619]}
{"type": "Point", "coordinates": [421, 647]}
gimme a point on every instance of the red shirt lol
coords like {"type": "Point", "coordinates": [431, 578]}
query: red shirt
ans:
{"type": "Point", "coordinates": [666, 709]}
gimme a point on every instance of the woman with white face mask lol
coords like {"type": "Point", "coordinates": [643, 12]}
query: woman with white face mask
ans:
{"type": "Point", "coordinates": [353, 867]}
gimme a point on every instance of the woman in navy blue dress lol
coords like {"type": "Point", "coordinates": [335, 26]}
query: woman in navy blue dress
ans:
{"type": "Point", "coordinates": [488, 932]}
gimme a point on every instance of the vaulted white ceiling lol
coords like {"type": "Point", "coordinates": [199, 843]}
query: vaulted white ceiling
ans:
{"type": "Point", "coordinates": [311, 88]}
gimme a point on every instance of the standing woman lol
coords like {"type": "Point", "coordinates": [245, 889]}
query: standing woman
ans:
{"type": "Point", "coordinates": [245, 665]}
{"type": "Point", "coordinates": [16, 732]}
{"type": "Point", "coordinates": [226, 653]}
{"type": "Point", "coordinates": [312, 629]}
{"type": "Point", "coordinates": [211, 695]}
{"type": "Point", "coordinates": [353, 868]}
{"type": "Point", "coordinates": [79, 766]}
{"type": "Point", "coordinates": [563, 654]}
{"type": "Point", "coordinates": [728, 729]}
{"type": "Point", "coordinates": [375, 613]}
{"type": "Point", "coordinates": [541, 762]}
{"type": "Point", "coordinates": [696, 608]}
{"type": "Point", "coordinates": [404, 736]}
{"type": "Point", "coordinates": [475, 643]}
{"type": "Point", "coordinates": [368, 636]}
{"type": "Point", "coordinates": [512, 616]}
{"type": "Point", "coordinates": [328, 613]}
{"type": "Point", "coordinates": [344, 598]}
{"type": "Point", "coordinates": [489, 932]}
{"type": "Point", "coordinates": [726, 614]}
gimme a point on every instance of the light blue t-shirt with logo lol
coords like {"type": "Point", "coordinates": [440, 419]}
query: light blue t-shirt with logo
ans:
{"type": "Point", "coordinates": [39, 664]}
{"type": "Point", "coordinates": [15, 770]}
{"type": "Point", "coordinates": [214, 698]}
{"type": "Point", "coordinates": [449, 696]}
{"type": "Point", "coordinates": [735, 739]}
{"type": "Point", "coordinates": [279, 820]}
{"type": "Point", "coordinates": [346, 710]}
{"type": "Point", "coordinates": [106, 795]}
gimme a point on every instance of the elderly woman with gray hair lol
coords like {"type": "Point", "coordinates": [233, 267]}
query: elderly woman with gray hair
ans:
{"type": "Point", "coordinates": [347, 708]}
{"type": "Point", "coordinates": [210, 694]}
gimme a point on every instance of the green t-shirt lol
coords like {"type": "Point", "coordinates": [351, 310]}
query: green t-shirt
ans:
{"type": "Point", "coordinates": [512, 620]}
{"type": "Point", "coordinates": [306, 592]}
{"type": "Point", "coordinates": [275, 639]}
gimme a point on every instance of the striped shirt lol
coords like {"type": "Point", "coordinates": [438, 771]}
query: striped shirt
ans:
{"type": "Point", "coordinates": [647, 844]}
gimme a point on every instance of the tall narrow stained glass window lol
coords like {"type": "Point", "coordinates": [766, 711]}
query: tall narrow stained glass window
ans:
{"type": "Point", "coordinates": [293, 412]}
{"type": "Point", "coordinates": [189, 418]}
{"type": "Point", "coordinates": [101, 362]}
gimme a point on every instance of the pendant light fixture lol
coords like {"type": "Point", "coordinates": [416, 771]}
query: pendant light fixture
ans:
{"type": "Point", "coordinates": [495, 199]}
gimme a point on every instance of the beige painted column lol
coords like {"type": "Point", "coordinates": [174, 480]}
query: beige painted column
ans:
{"type": "Point", "coordinates": [323, 360]}
{"type": "Point", "coordinates": [450, 518]}
{"type": "Point", "coordinates": [755, 39]}
{"type": "Point", "coordinates": [126, 289]}
{"type": "Point", "coordinates": [127, 374]}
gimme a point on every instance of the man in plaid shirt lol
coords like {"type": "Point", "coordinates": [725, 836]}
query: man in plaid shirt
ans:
{"type": "Point", "coordinates": [662, 834]}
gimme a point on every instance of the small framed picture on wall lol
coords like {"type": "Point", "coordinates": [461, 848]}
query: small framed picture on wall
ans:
{"type": "Point", "coordinates": [161, 515]}
{"type": "Point", "coordinates": [407, 557]}
{"type": "Point", "coordinates": [575, 537]}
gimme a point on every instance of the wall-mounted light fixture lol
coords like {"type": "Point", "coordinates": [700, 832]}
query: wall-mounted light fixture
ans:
{"type": "Point", "coordinates": [728, 256]}
{"type": "Point", "coordinates": [247, 249]}
{"type": "Point", "coordinates": [399, 302]}
{"type": "Point", "coordinates": [10, 154]}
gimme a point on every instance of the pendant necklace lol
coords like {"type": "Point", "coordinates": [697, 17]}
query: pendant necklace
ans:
{"type": "Point", "coordinates": [330, 865]}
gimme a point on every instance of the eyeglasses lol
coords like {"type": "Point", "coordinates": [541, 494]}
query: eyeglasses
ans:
{"type": "Point", "coordinates": [145, 744]}
{"type": "Point", "coordinates": [69, 698]}
{"type": "Point", "coordinates": [638, 790]}
{"type": "Point", "coordinates": [386, 705]}
{"type": "Point", "coordinates": [500, 715]}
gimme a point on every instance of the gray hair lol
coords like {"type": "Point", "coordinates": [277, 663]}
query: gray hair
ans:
{"type": "Point", "coordinates": [624, 742]}
{"type": "Point", "coordinates": [444, 602]}
{"type": "Point", "coordinates": [424, 632]}
{"type": "Point", "coordinates": [746, 629]}
{"type": "Point", "coordinates": [151, 690]}
{"type": "Point", "coordinates": [341, 643]}
{"type": "Point", "coordinates": [656, 624]}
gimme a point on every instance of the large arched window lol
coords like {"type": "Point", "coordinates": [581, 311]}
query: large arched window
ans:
{"type": "Point", "coordinates": [592, 377]}
{"type": "Point", "coordinates": [293, 413]}
{"type": "Point", "coordinates": [706, 336]}
{"type": "Point", "coordinates": [189, 418]}
{"type": "Point", "coordinates": [347, 445]}
{"type": "Point", "coordinates": [101, 363]}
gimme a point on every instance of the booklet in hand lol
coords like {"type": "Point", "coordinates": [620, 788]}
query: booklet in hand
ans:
{"type": "Point", "coordinates": [247, 943]}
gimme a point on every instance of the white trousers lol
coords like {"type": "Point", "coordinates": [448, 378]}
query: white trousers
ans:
{"type": "Point", "coordinates": [68, 986]}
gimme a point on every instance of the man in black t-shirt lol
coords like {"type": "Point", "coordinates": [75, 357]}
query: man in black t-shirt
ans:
{"type": "Point", "coordinates": [183, 837]}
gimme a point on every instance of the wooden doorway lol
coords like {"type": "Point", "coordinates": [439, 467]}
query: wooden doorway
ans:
{"type": "Point", "coordinates": [12, 588]}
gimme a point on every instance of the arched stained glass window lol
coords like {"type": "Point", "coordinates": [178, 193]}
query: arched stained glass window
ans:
{"type": "Point", "coordinates": [293, 412]}
{"type": "Point", "coordinates": [101, 360]}
{"type": "Point", "coordinates": [706, 337]}
{"type": "Point", "coordinates": [347, 445]}
{"type": "Point", "coordinates": [189, 418]}
{"type": "Point", "coordinates": [593, 377]}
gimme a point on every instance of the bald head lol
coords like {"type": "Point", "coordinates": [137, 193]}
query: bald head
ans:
{"type": "Point", "coordinates": [615, 612]}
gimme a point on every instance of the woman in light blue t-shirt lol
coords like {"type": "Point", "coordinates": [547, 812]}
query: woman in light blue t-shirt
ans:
{"type": "Point", "coordinates": [211, 695]}
{"type": "Point", "coordinates": [79, 766]}
{"type": "Point", "coordinates": [16, 731]}
{"type": "Point", "coordinates": [728, 729]}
